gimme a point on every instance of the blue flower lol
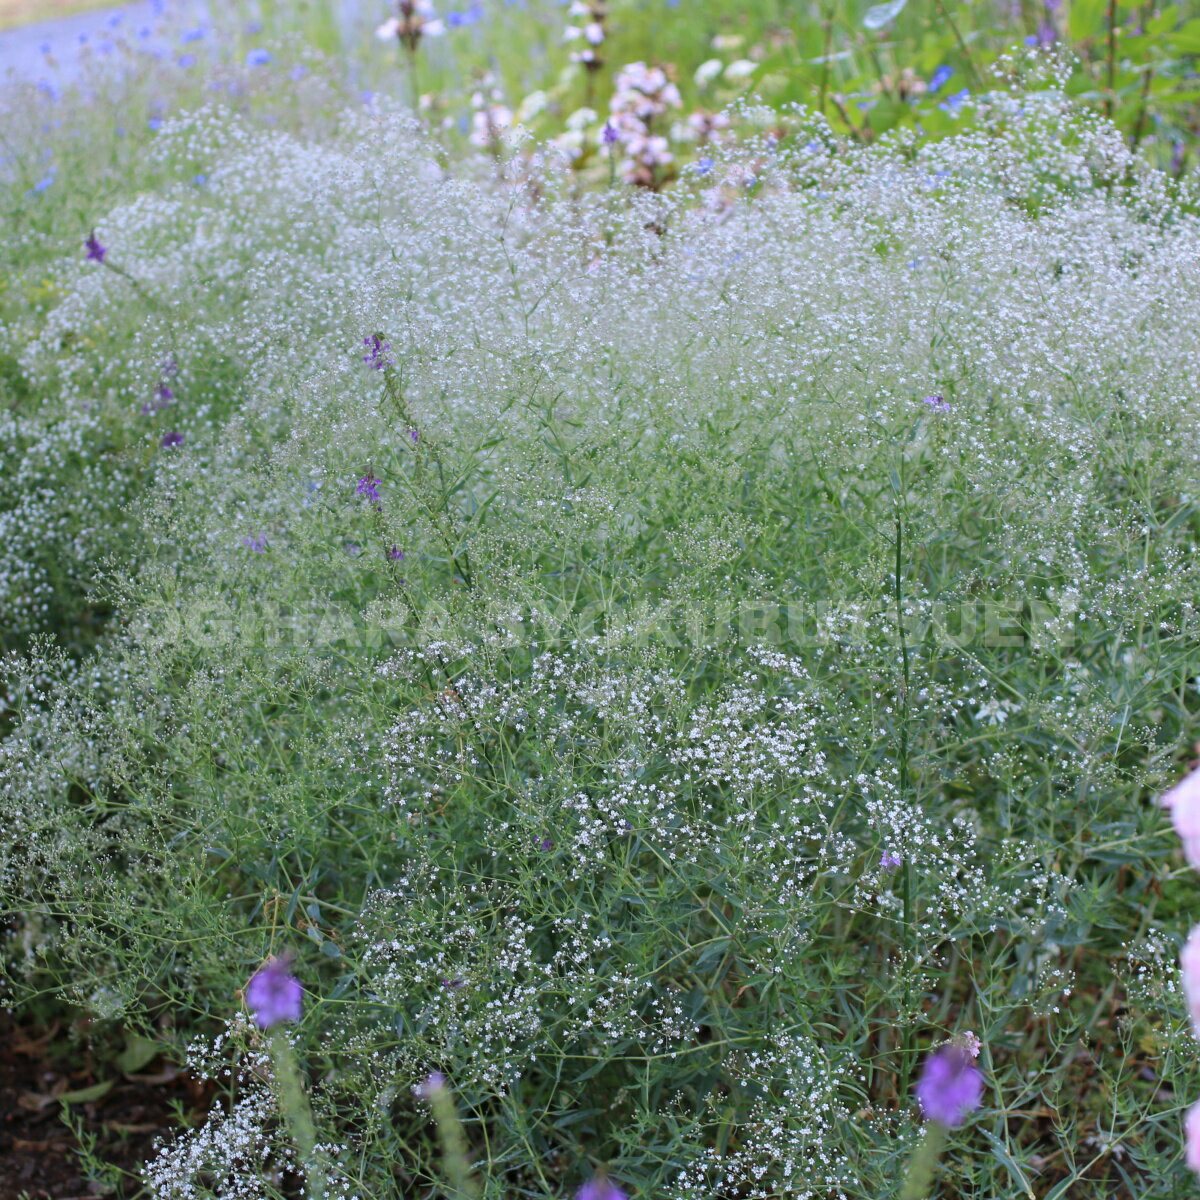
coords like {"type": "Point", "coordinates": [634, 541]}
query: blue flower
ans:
{"type": "Point", "coordinates": [953, 104]}
{"type": "Point", "coordinates": [939, 77]}
{"type": "Point", "coordinates": [258, 57]}
{"type": "Point", "coordinates": [368, 486]}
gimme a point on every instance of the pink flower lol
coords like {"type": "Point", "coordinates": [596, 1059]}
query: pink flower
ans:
{"type": "Point", "coordinates": [1191, 1131]}
{"type": "Point", "coordinates": [1184, 802]}
{"type": "Point", "coordinates": [1189, 966]}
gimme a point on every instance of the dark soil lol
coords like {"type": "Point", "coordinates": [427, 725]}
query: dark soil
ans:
{"type": "Point", "coordinates": [39, 1157]}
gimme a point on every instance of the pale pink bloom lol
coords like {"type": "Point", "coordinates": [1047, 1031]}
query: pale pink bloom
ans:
{"type": "Point", "coordinates": [594, 33]}
{"type": "Point", "coordinates": [644, 91]}
{"type": "Point", "coordinates": [1189, 968]}
{"type": "Point", "coordinates": [1184, 802]}
{"type": "Point", "coordinates": [970, 1043]}
{"type": "Point", "coordinates": [1191, 1129]}
{"type": "Point", "coordinates": [488, 124]}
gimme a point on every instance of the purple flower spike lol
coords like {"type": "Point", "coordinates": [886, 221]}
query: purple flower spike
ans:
{"type": "Point", "coordinates": [379, 353]}
{"type": "Point", "coordinates": [368, 486]}
{"type": "Point", "coordinates": [434, 1082]}
{"type": "Point", "coordinates": [891, 862]}
{"type": "Point", "coordinates": [950, 1087]}
{"type": "Point", "coordinates": [274, 994]}
{"type": "Point", "coordinates": [937, 404]}
{"type": "Point", "coordinates": [395, 554]}
{"type": "Point", "coordinates": [415, 434]}
{"type": "Point", "coordinates": [256, 542]}
{"type": "Point", "coordinates": [95, 250]}
{"type": "Point", "coordinates": [600, 1188]}
{"type": "Point", "coordinates": [547, 844]}
{"type": "Point", "coordinates": [172, 439]}
{"type": "Point", "coordinates": [610, 133]}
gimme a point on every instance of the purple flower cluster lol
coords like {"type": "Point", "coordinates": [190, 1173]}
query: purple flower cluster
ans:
{"type": "Point", "coordinates": [937, 403]}
{"type": "Point", "coordinates": [368, 486]}
{"type": "Point", "coordinates": [950, 1087]}
{"type": "Point", "coordinates": [95, 251]}
{"type": "Point", "coordinates": [163, 395]}
{"type": "Point", "coordinates": [274, 994]}
{"type": "Point", "coordinates": [256, 542]}
{"type": "Point", "coordinates": [379, 353]}
{"type": "Point", "coordinates": [173, 438]}
{"type": "Point", "coordinates": [600, 1188]}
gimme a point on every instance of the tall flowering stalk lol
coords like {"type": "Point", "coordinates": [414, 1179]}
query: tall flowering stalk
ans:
{"type": "Point", "coordinates": [455, 1158]}
{"type": "Point", "coordinates": [414, 20]}
{"type": "Point", "coordinates": [275, 997]}
{"type": "Point", "coordinates": [949, 1090]}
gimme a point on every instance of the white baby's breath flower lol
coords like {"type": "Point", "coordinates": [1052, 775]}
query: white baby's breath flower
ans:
{"type": "Point", "coordinates": [740, 70]}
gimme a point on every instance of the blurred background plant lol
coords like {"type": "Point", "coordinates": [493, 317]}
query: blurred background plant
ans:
{"type": "Point", "coordinates": [560, 70]}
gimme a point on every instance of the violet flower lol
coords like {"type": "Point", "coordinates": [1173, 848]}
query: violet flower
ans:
{"type": "Point", "coordinates": [950, 1087]}
{"type": "Point", "coordinates": [600, 1187]}
{"type": "Point", "coordinates": [395, 554]}
{"type": "Point", "coordinates": [173, 438]}
{"type": "Point", "coordinates": [937, 404]}
{"type": "Point", "coordinates": [889, 861]}
{"type": "Point", "coordinates": [368, 486]}
{"type": "Point", "coordinates": [256, 542]}
{"type": "Point", "coordinates": [435, 1081]}
{"type": "Point", "coordinates": [274, 994]}
{"type": "Point", "coordinates": [379, 353]}
{"type": "Point", "coordinates": [95, 250]}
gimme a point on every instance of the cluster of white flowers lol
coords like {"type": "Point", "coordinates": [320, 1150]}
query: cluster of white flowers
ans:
{"type": "Point", "coordinates": [490, 120]}
{"type": "Point", "coordinates": [788, 1144]}
{"type": "Point", "coordinates": [592, 16]}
